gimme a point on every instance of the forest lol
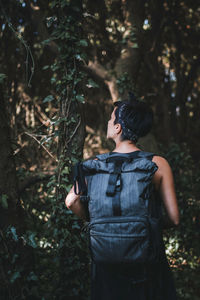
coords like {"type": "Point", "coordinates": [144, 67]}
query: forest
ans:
{"type": "Point", "coordinates": [63, 63]}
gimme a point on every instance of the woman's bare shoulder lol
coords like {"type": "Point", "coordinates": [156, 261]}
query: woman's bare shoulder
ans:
{"type": "Point", "coordinates": [164, 170]}
{"type": "Point", "coordinates": [161, 162]}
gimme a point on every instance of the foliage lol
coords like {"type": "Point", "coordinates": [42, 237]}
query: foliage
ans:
{"type": "Point", "coordinates": [39, 274]}
{"type": "Point", "coordinates": [183, 243]}
{"type": "Point", "coordinates": [51, 239]}
{"type": "Point", "coordinates": [68, 251]}
{"type": "Point", "coordinates": [124, 83]}
{"type": "Point", "coordinates": [154, 43]}
{"type": "Point", "coordinates": [122, 45]}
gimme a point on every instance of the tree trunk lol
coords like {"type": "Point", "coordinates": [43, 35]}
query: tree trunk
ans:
{"type": "Point", "coordinates": [11, 217]}
{"type": "Point", "coordinates": [8, 178]}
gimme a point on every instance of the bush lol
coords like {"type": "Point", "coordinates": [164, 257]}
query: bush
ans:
{"type": "Point", "coordinates": [182, 244]}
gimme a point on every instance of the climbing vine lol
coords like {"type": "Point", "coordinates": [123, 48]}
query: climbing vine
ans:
{"type": "Point", "coordinates": [67, 77]}
{"type": "Point", "coordinates": [52, 238]}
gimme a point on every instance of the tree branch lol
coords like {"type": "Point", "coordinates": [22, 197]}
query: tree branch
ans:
{"type": "Point", "coordinates": [97, 70]}
{"type": "Point", "coordinates": [33, 136]}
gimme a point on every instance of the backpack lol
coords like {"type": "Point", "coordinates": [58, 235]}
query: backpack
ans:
{"type": "Point", "coordinates": [120, 198]}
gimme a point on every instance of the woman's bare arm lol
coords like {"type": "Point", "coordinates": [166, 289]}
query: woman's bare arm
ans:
{"type": "Point", "coordinates": [163, 179]}
{"type": "Point", "coordinates": [73, 203]}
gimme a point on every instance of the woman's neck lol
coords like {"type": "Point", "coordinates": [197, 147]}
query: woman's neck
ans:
{"type": "Point", "coordinates": [125, 147]}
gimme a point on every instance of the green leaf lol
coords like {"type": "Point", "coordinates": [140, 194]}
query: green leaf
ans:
{"type": "Point", "coordinates": [45, 67]}
{"type": "Point", "coordinates": [32, 277]}
{"type": "Point", "coordinates": [53, 4]}
{"type": "Point", "coordinates": [15, 276]}
{"type": "Point", "coordinates": [15, 256]}
{"type": "Point", "coordinates": [48, 99]}
{"type": "Point", "coordinates": [3, 201]}
{"type": "Point", "coordinates": [66, 170]}
{"type": "Point", "coordinates": [75, 226]}
{"type": "Point", "coordinates": [2, 77]}
{"type": "Point", "coordinates": [31, 240]}
{"type": "Point", "coordinates": [53, 80]}
{"type": "Point", "coordinates": [47, 41]}
{"type": "Point", "coordinates": [135, 45]}
{"type": "Point", "coordinates": [50, 20]}
{"type": "Point", "coordinates": [80, 98]}
{"type": "Point", "coordinates": [92, 84]}
{"type": "Point", "coordinates": [83, 43]}
{"type": "Point", "coordinates": [14, 234]}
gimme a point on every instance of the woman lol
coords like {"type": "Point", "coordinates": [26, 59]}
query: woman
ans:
{"type": "Point", "coordinates": [128, 122]}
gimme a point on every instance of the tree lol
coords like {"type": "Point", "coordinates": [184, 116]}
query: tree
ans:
{"type": "Point", "coordinates": [65, 63]}
{"type": "Point", "coordinates": [153, 45]}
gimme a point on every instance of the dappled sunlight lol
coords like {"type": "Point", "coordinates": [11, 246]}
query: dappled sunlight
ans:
{"type": "Point", "coordinates": [63, 64]}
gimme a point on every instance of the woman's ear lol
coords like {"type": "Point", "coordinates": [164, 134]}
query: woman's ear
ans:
{"type": "Point", "coordinates": [118, 128]}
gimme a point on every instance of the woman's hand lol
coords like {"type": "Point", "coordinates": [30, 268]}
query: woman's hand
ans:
{"type": "Point", "coordinates": [73, 203]}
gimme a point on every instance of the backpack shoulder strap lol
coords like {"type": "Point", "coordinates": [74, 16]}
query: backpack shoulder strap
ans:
{"type": "Point", "coordinates": [114, 156]}
{"type": "Point", "coordinates": [103, 156]}
{"type": "Point", "coordinates": [132, 155]}
{"type": "Point", "coordinates": [79, 179]}
{"type": "Point", "coordinates": [148, 155]}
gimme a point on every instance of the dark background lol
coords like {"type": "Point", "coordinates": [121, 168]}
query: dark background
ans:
{"type": "Point", "coordinates": [62, 65]}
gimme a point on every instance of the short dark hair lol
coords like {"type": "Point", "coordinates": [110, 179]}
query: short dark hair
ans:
{"type": "Point", "coordinates": [135, 117]}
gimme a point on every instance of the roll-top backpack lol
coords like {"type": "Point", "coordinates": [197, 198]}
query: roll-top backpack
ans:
{"type": "Point", "coordinates": [120, 197]}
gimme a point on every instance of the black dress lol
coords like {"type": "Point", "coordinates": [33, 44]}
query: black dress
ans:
{"type": "Point", "coordinates": [119, 282]}
{"type": "Point", "coordinates": [134, 282]}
